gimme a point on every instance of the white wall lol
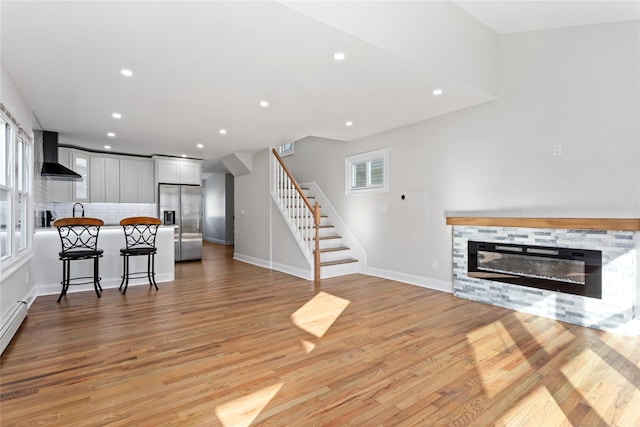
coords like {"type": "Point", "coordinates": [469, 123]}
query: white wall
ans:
{"type": "Point", "coordinates": [252, 211]}
{"type": "Point", "coordinates": [261, 234]}
{"type": "Point", "coordinates": [11, 97]}
{"type": "Point", "coordinates": [15, 286]}
{"type": "Point", "coordinates": [577, 87]}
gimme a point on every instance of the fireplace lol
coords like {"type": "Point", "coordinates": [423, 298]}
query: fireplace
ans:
{"type": "Point", "coordinates": [566, 270]}
{"type": "Point", "coordinates": [606, 295]}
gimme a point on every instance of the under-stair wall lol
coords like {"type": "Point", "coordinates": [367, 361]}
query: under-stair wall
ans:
{"type": "Point", "coordinates": [261, 235]}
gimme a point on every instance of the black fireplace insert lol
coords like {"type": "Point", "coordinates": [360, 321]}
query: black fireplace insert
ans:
{"type": "Point", "coordinates": [572, 271]}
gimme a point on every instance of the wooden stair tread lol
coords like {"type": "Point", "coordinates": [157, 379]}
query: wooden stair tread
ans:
{"type": "Point", "coordinates": [338, 262]}
{"type": "Point", "coordinates": [321, 226]}
{"type": "Point", "coordinates": [334, 249]}
{"type": "Point", "coordinates": [334, 236]}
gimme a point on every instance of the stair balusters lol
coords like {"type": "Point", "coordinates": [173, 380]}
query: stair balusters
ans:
{"type": "Point", "coordinates": [304, 216]}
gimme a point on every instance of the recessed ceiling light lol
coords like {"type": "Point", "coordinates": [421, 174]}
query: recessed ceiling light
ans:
{"type": "Point", "coordinates": [339, 56]}
{"type": "Point", "coordinates": [437, 92]}
{"type": "Point", "coordinates": [111, 134]}
{"type": "Point", "coordinates": [125, 72]}
{"type": "Point", "coordinates": [184, 155]}
{"type": "Point", "coordinates": [107, 147]}
{"type": "Point", "coordinates": [348, 123]}
{"type": "Point", "coordinates": [223, 131]}
{"type": "Point", "coordinates": [264, 103]}
{"type": "Point", "coordinates": [116, 115]}
{"type": "Point", "coordinates": [200, 146]}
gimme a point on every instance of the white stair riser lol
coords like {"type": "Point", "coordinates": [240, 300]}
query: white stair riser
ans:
{"type": "Point", "coordinates": [339, 270]}
{"type": "Point", "coordinates": [334, 255]}
{"type": "Point", "coordinates": [325, 231]}
{"type": "Point", "coordinates": [330, 243]}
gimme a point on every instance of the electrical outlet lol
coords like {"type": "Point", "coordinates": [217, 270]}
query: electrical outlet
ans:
{"type": "Point", "coordinates": [434, 264]}
{"type": "Point", "coordinates": [557, 150]}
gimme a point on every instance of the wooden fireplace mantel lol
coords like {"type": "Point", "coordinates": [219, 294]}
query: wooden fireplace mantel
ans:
{"type": "Point", "coordinates": [623, 224]}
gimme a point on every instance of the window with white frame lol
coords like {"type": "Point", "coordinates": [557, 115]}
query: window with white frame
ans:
{"type": "Point", "coordinates": [367, 172]}
{"type": "Point", "coordinates": [285, 149]}
{"type": "Point", "coordinates": [16, 160]}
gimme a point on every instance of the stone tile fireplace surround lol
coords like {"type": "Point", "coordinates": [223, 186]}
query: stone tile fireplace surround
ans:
{"type": "Point", "coordinates": [618, 239]}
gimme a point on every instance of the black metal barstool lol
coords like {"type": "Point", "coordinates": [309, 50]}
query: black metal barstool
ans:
{"type": "Point", "coordinates": [79, 238]}
{"type": "Point", "coordinates": [140, 239]}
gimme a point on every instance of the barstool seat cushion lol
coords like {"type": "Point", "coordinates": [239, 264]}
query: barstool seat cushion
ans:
{"type": "Point", "coordinates": [80, 253]}
{"type": "Point", "coordinates": [138, 250]}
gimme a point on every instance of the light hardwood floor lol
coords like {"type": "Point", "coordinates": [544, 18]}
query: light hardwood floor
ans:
{"type": "Point", "coordinates": [231, 344]}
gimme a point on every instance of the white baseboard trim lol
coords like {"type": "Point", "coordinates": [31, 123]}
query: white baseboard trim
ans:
{"type": "Point", "coordinates": [105, 283]}
{"type": "Point", "coordinates": [294, 271]}
{"type": "Point", "coordinates": [218, 241]}
{"type": "Point", "coordinates": [425, 282]}
{"type": "Point", "coordinates": [251, 260]}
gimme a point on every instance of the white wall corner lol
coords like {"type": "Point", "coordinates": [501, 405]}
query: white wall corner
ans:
{"type": "Point", "coordinates": [294, 271]}
{"type": "Point", "coordinates": [264, 263]}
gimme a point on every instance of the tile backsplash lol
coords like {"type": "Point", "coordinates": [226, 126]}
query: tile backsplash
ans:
{"type": "Point", "coordinates": [110, 213]}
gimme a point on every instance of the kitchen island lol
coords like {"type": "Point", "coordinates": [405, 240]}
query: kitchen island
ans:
{"type": "Point", "coordinates": [47, 268]}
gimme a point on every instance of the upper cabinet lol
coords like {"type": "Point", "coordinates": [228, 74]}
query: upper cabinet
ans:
{"type": "Point", "coordinates": [172, 170]}
{"type": "Point", "coordinates": [104, 179]}
{"type": "Point", "coordinates": [136, 181]}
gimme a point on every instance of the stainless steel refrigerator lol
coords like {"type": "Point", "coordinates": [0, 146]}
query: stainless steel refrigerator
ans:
{"type": "Point", "coordinates": [181, 205]}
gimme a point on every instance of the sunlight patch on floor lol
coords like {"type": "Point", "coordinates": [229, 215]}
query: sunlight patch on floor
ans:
{"type": "Point", "coordinates": [494, 341]}
{"type": "Point", "coordinates": [602, 386]}
{"type": "Point", "coordinates": [538, 408]}
{"type": "Point", "coordinates": [241, 412]}
{"type": "Point", "coordinates": [318, 314]}
{"type": "Point", "coordinates": [308, 346]}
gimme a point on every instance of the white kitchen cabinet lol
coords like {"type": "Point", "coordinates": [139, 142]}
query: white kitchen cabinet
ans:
{"type": "Point", "coordinates": [61, 190]}
{"type": "Point", "coordinates": [146, 183]}
{"type": "Point", "coordinates": [136, 181]}
{"type": "Point", "coordinates": [128, 176]}
{"type": "Point", "coordinates": [104, 179]}
{"type": "Point", "coordinates": [178, 171]}
{"type": "Point", "coordinates": [80, 163]}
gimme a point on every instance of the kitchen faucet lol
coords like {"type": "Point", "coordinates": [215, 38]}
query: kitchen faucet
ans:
{"type": "Point", "coordinates": [74, 209]}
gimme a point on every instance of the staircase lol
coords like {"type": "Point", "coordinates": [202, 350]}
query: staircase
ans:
{"type": "Point", "coordinates": [299, 205]}
{"type": "Point", "coordinates": [334, 253]}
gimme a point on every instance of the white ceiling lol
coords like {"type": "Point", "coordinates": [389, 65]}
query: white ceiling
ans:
{"type": "Point", "coordinates": [514, 16]}
{"type": "Point", "coordinates": [202, 66]}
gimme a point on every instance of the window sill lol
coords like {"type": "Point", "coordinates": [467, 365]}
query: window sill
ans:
{"type": "Point", "coordinates": [11, 265]}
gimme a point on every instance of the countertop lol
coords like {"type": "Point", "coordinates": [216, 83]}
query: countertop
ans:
{"type": "Point", "coordinates": [104, 227]}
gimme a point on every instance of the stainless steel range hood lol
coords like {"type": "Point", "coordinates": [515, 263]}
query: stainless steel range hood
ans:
{"type": "Point", "coordinates": [51, 169]}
